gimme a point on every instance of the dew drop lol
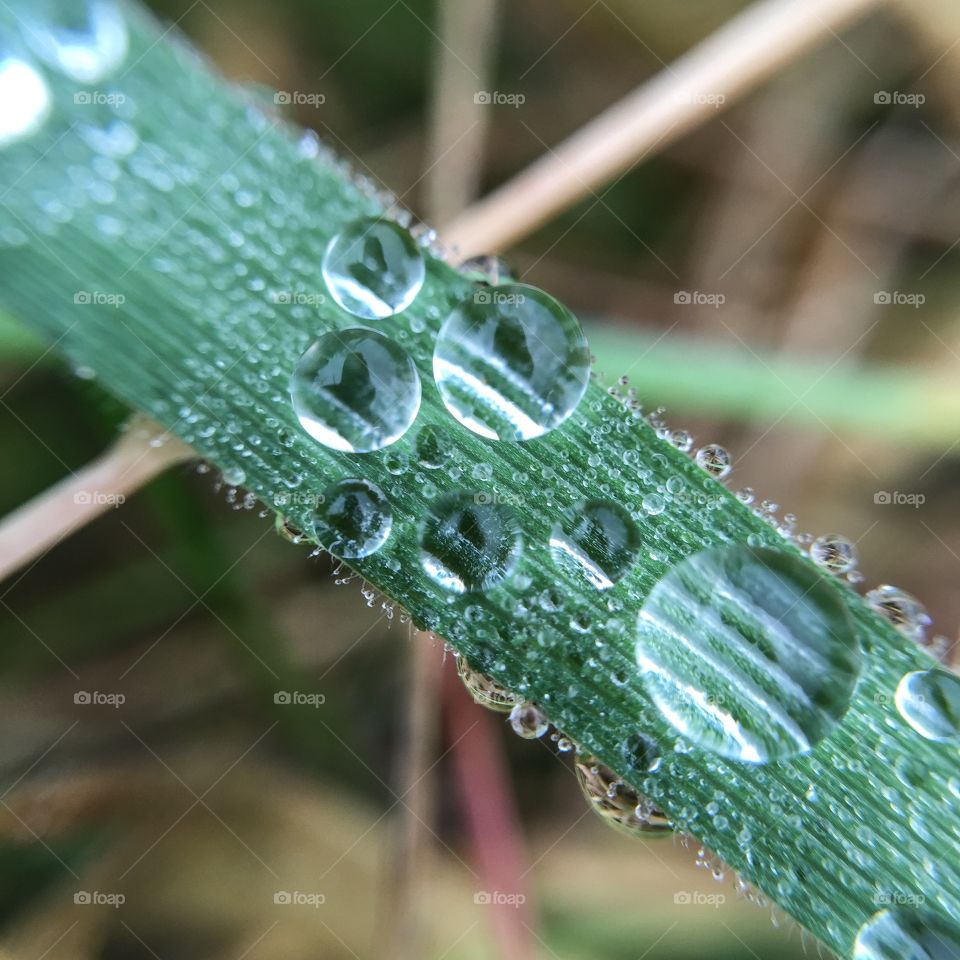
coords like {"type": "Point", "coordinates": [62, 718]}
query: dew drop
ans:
{"type": "Point", "coordinates": [929, 700]}
{"type": "Point", "coordinates": [902, 933]}
{"type": "Point", "coordinates": [528, 721]}
{"type": "Point", "coordinates": [469, 543]}
{"type": "Point", "coordinates": [355, 390]}
{"type": "Point", "coordinates": [24, 100]}
{"type": "Point", "coordinates": [616, 802]}
{"type": "Point", "coordinates": [484, 690]}
{"type": "Point", "coordinates": [432, 452]}
{"type": "Point", "coordinates": [902, 609]}
{"type": "Point", "coordinates": [597, 539]}
{"type": "Point", "coordinates": [86, 41]}
{"type": "Point", "coordinates": [234, 476]}
{"type": "Point", "coordinates": [715, 460]}
{"type": "Point", "coordinates": [642, 753]}
{"type": "Point", "coordinates": [748, 653]}
{"type": "Point", "coordinates": [654, 504]}
{"type": "Point", "coordinates": [354, 519]}
{"type": "Point", "coordinates": [511, 363]}
{"type": "Point", "coordinates": [373, 268]}
{"type": "Point", "coordinates": [833, 553]}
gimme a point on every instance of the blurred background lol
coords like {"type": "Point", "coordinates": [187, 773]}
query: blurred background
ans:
{"type": "Point", "coordinates": [783, 279]}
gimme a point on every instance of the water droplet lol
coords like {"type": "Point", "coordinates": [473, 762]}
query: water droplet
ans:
{"type": "Point", "coordinates": [528, 721]}
{"type": "Point", "coordinates": [24, 100]}
{"type": "Point", "coordinates": [748, 652]}
{"type": "Point", "coordinates": [715, 460]}
{"type": "Point", "coordinates": [598, 539]}
{"type": "Point", "coordinates": [833, 553]}
{"type": "Point", "coordinates": [487, 269]}
{"type": "Point", "coordinates": [373, 268]}
{"type": "Point", "coordinates": [234, 476]}
{"type": "Point", "coordinates": [355, 390]}
{"type": "Point", "coordinates": [654, 504]}
{"type": "Point", "coordinates": [929, 700]}
{"type": "Point", "coordinates": [616, 802]}
{"type": "Point", "coordinates": [511, 362]}
{"type": "Point", "coordinates": [469, 543]}
{"type": "Point", "coordinates": [354, 519]}
{"type": "Point", "coordinates": [642, 753]}
{"type": "Point", "coordinates": [287, 530]}
{"type": "Point", "coordinates": [903, 933]}
{"type": "Point", "coordinates": [432, 451]}
{"type": "Point", "coordinates": [902, 609]}
{"type": "Point", "coordinates": [86, 41]}
{"type": "Point", "coordinates": [485, 691]}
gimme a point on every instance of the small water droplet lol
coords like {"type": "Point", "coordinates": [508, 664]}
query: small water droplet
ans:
{"type": "Point", "coordinates": [485, 691]}
{"type": "Point", "coordinates": [902, 609]}
{"type": "Point", "coordinates": [833, 553]}
{"type": "Point", "coordinates": [355, 390]}
{"type": "Point", "coordinates": [929, 700]}
{"type": "Point", "coordinates": [469, 543]}
{"type": "Point", "coordinates": [748, 653]}
{"type": "Point", "coordinates": [432, 451]}
{"type": "Point", "coordinates": [511, 363]}
{"type": "Point", "coordinates": [907, 933]}
{"type": "Point", "coordinates": [234, 476]}
{"type": "Point", "coordinates": [654, 504]}
{"type": "Point", "coordinates": [598, 539]}
{"type": "Point", "coordinates": [616, 802]}
{"type": "Point", "coordinates": [715, 460]}
{"type": "Point", "coordinates": [528, 721]}
{"type": "Point", "coordinates": [86, 41]}
{"type": "Point", "coordinates": [487, 269]}
{"type": "Point", "coordinates": [354, 520]}
{"type": "Point", "coordinates": [373, 268]}
{"type": "Point", "coordinates": [642, 753]}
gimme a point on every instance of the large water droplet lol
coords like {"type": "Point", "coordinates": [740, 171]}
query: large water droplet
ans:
{"type": "Point", "coordinates": [598, 539]}
{"type": "Point", "coordinates": [902, 933]}
{"type": "Point", "coordinates": [902, 609]}
{"type": "Point", "coordinates": [528, 721]}
{"type": "Point", "coordinates": [715, 460]}
{"type": "Point", "coordinates": [511, 362]}
{"type": "Point", "coordinates": [616, 802]}
{"type": "Point", "coordinates": [355, 390]}
{"type": "Point", "coordinates": [748, 652]}
{"type": "Point", "coordinates": [469, 543]}
{"type": "Point", "coordinates": [929, 700]}
{"type": "Point", "coordinates": [24, 100]}
{"type": "Point", "coordinates": [834, 553]}
{"type": "Point", "coordinates": [373, 268]}
{"type": "Point", "coordinates": [485, 690]}
{"type": "Point", "coordinates": [354, 519]}
{"type": "Point", "coordinates": [85, 40]}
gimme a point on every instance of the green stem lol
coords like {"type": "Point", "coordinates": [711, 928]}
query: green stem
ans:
{"type": "Point", "coordinates": [220, 206]}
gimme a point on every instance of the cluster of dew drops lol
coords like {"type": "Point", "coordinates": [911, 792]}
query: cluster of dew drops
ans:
{"type": "Point", "coordinates": [511, 364]}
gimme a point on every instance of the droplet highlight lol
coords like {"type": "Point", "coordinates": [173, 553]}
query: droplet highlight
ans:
{"type": "Point", "coordinates": [597, 539]}
{"type": "Point", "coordinates": [373, 269]}
{"type": "Point", "coordinates": [469, 543]}
{"type": "Point", "coordinates": [511, 363]}
{"type": "Point", "coordinates": [749, 653]}
{"type": "Point", "coordinates": [25, 100]}
{"type": "Point", "coordinates": [355, 390]}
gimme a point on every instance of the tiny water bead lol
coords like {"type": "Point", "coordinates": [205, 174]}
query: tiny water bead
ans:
{"type": "Point", "coordinates": [715, 460]}
{"type": "Point", "coordinates": [484, 690]}
{"type": "Point", "coordinates": [907, 933]}
{"type": "Point", "coordinates": [833, 553]}
{"type": "Point", "coordinates": [432, 450]}
{"type": "Point", "coordinates": [373, 268]}
{"type": "Point", "coordinates": [642, 753]}
{"type": "Point", "coordinates": [616, 802]}
{"type": "Point", "coordinates": [354, 520]}
{"type": "Point", "coordinates": [747, 652]}
{"type": "Point", "coordinates": [528, 721]}
{"type": "Point", "coordinates": [598, 539]}
{"type": "Point", "coordinates": [25, 100]}
{"type": "Point", "coordinates": [902, 609]}
{"type": "Point", "coordinates": [929, 700]}
{"type": "Point", "coordinates": [86, 40]}
{"type": "Point", "coordinates": [470, 543]}
{"type": "Point", "coordinates": [355, 390]}
{"type": "Point", "coordinates": [511, 363]}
